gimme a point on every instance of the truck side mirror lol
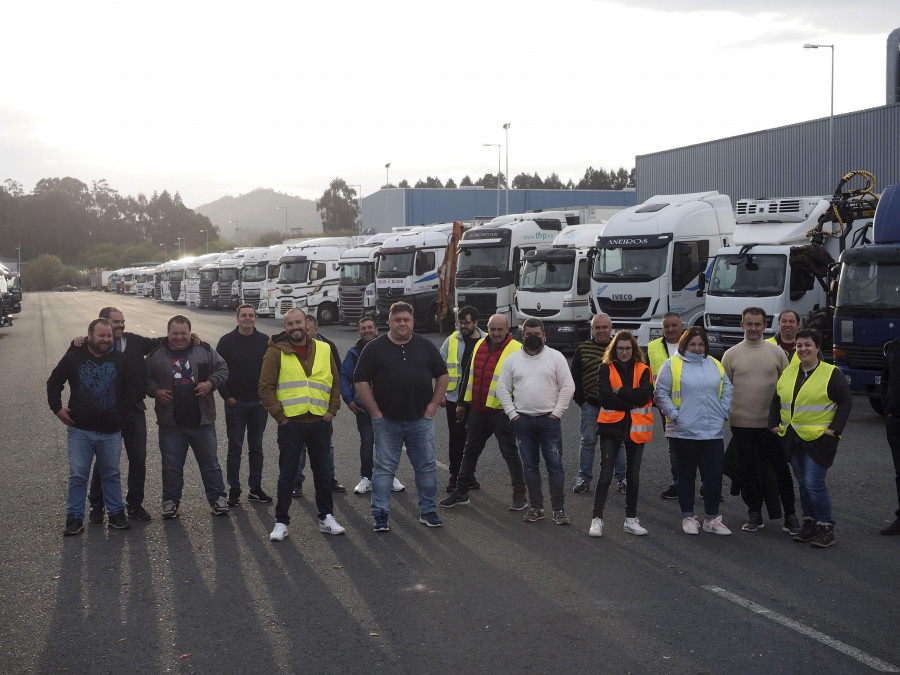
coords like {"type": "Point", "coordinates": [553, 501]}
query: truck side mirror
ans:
{"type": "Point", "coordinates": [701, 284]}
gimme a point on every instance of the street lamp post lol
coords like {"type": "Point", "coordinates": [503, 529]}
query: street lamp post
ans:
{"type": "Point", "coordinates": [165, 252]}
{"type": "Point", "coordinates": [19, 266]}
{"type": "Point", "coordinates": [236, 223]}
{"type": "Point", "coordinates": [359, 202]}
{"type": "Point", "coordinates": [180, 250]}
{"type": "Point", "coordinates": [830, 168]}
{"type": "Point", "coordinates": [207, 240]}
{"type": "Point", "coordinates": [387, 175]}
{"type": "Point", "coordinates": [499, 152]}
{"type": "Point", "coordinates": [277, 208]}
{"type": "Point", "coordinates": [506, 129]}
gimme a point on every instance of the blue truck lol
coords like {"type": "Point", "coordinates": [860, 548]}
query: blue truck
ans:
{"type": "Point", "coordinates": [867, 302]}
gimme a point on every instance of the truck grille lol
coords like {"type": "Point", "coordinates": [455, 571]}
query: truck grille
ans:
{"type": "Point", "coordinates": [206, 299]}
{"type": "Point", "coordinates": [286, 306]}
{"type": "Point", "coordinates": [384, 300]}
{"type": "Point", "coordinates": [864, 357]}
{"type": "Point", "coordinates": [624, 308]}
{"type": "Point", "coordinates": [251, 297]}
{"type": "Point", "coordinates": [352, 300]}
{"type": "Point", "coordinates": [538, 313]}
{"type": "Point", "coordinates": [175, 289]}
{"type": "Point", "coordinates": [725, 321]}
{"type": "Point", "coordinates": [485, 303]}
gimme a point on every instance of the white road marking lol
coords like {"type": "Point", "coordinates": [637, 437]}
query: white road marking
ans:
{"type": "Point", "coordinates": [871, 661]}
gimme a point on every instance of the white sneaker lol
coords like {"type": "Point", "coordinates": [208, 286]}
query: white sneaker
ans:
{"type": "Point", "coordinates": [329, 525]}
{"type": "Point", "coordinates": [633, 526]}
{"type": "Point", "coordinates": [279, 533]}
{"type": "Point", "coordinates": [715, 525]}
{"type": "Point", "coordinates": [365, 485]}
{"type": "Point", "coordinates": [690, 525]}
{"type": "Point", "coordinates": [596, 528]}
{"type": "Point", "coordinates": [397, 486]}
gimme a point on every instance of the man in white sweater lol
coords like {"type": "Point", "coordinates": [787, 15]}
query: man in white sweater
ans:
{"type": "Point", "coordinates": [535, 388]}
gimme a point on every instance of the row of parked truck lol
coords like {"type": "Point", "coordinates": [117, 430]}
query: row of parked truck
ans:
{"type": "Point", "coordinates": [10, 295]}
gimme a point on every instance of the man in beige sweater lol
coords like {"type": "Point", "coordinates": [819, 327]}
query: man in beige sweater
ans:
{"type": "Point", "coordinates": [754, 366]}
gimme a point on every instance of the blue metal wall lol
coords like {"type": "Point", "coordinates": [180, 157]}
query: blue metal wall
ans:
{"type": "Point", "coordinates": [784, 162]}
{"type": "Point", "coordinates": [395, 207]}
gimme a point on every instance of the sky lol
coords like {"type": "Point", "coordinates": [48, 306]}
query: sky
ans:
{"type": "Point", "coordinates": [219, 98]}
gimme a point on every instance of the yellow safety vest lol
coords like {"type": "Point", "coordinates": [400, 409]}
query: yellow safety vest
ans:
{"type": "Point", "coordinates": [677, 364]}
{"type": "Point", "coordinates": [492, 401]}
{"type": "Point", "coordinates": [658, 354]}
{"type": "Point", "coordinates": [794, 357]}
{"type": "Point", "coordinates": [812, 411]}
{"type": "Point", "coordinates": [300, 394]}
{"type": "Point", "coordinates": [453, 361]}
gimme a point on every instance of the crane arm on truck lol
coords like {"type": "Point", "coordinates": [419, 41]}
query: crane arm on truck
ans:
{"type": "Point", "coordinates": [447, 276]}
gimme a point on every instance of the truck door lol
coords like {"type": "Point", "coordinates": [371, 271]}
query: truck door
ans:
{"type": "Point", "coordinates": [689, 260]}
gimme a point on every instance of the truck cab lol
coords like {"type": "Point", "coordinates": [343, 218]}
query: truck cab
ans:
{"type": "Point", "coordinates": [229, 279]}
{"type": "Point", "coordinates": [654, 258]}
{"type": "Point", "coordinates": [309, 276]}
{"type": "Point", "coordinates": [259, 277]}
{"type": "Point", "coordinates": [356, 288]}
{"type": "Point", "coordinates": [192, 274]}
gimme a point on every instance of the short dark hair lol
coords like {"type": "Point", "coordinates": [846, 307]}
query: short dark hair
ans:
{"type": "Point", "coordinates": [364, 319]}
{"type": "Point", "coordinates": [313, 320]}
{"type": "Point", "coordinates": [468, 311]}
{"type": "Point", "coordinates": [178, 318]}
{"type": "Point", "coordinates": [785, 311]}
{"type": "Point", "coordinates": [759, 311]}
{"type": "Point", "coordinates": [106, 311]}
{"type": "Point", "coordinates": [810, 333]}
{"type": "Point", "coordinates": [245, 305]}
{"type": "Point", "coordinates": [401, 306]}
{"type": "Point", "coordinates": [98, 322]}
{"type": "Point", "coordinates": [531, 322]}
{"type": "Point", "coordinates": [689, 335]}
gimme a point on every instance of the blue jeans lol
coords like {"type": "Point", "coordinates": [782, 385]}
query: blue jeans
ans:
{"type": "Point", "coordinates": [588, 449]}
{"type": "Point", "coordinates": [366, 444]}
{"type": "Point", "coordinates": [541, 435]}
{"type": "Point", "coordinates": [390, 437]}
{"type": "Point", "coordinates": [173, 446]}
{"type": "Point", "coordinates": [249, 416]}
{"type": "Point", "coordinates": [301, 464]}
{"type": "Point", "coordinates": [83, 446]}
{"type": "Point", "coordinates": [294, 438]}
{"type": "Point", "coordinates": [814, 497]}
{"type": "Point", "coordinates": [134, 437]}
{"type": "Point", "coordinates": [709, 455]}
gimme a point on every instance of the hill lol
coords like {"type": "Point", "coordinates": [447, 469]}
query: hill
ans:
{"type": "Point", "coordinates": [256, 212]}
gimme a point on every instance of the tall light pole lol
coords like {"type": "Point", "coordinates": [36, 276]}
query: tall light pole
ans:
{"type": "Point", "coordinates": [207, 240]}
{"type": "Point", "coordinates": [506, 129]}
{"type": "Point", "coordinates": [277, 208]}
{"type": "Point", "coordinates": [359, 203]}
{"type": "Point", "coordinates": [499, 152]}
{"type": "Point", "coordinates": [387, 175]}
{"type": "Point", "coordinates": [180, 250]}
{"type": "Point", "coordinates": [165, 252]}
{"type": "Point", "coordinates": [830, 168]}
{"type": "Point", "coordinates": [19, 267]}
{"type": "Point", "coordinates": [236, 240]}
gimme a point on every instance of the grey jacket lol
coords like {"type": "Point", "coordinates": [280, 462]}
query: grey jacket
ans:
{"type": "Point", "coordinates": [208, 366]}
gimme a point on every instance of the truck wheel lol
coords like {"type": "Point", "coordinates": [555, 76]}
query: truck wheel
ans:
{"type": "Point", "coordinates": [875, 402]}
{"type": "Point", "coordinates": [327, 314]}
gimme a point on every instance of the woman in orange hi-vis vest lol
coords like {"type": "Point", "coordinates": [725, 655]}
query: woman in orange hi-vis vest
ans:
{"type": "Point", "coordinates": [624, 388]}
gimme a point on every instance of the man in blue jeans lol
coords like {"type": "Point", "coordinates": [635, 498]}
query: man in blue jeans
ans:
{"type": "Point", "coordinates": [243, 350]}
{"type": "Point", "coordinates": [102, 389]}
{"type": "Point", "coordinates": [393, 381]}
{"type": "Point", "coordinates": [535, 388]}
{"type": "Point", "coordinates": [181, 376]}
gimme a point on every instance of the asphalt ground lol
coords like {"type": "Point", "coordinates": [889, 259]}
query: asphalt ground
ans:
{"type": "Point", "coordinates": [486, 592]}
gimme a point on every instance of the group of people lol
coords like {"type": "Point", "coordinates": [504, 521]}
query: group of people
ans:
{"type": "Point", "coordinates": [786, 409]}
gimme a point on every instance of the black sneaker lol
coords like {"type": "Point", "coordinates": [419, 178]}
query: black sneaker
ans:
{"type": "Point", "coordinates": [791, 524]}
{"type": "Point", "coordinates": [139, 513]}
{"type": "Point", "coordinates": [670, 492]}
{"type": "Point", "coordinates": [95, 515]}
{"type": "Point", "coordinates": [581, 485]}
{"type": "Point", "coordinates": [455, 499]}
{"type": "Point", "coordinates": [754, 522]}
{"type": "Point", "coordinates": [451, 486]}
{"type": "Point", "coordinates": [336, 486]}
{"type": "Point", "coordinates": [805, 535]}
{"type": "Point", "coordinates": [892, 529]}
{"type": "Point", "coordinates": [297, 491]}
{"type": "Point", "coordinates": [257, 495]}
{"type": "Point", "coordinates": [118, 521]}
{"type": "Point", "coordinates": [73, 526]}
{"type": "Point", "coordinates": [824, 536]}
{"type": "Point", "coordinates": [234, 497]}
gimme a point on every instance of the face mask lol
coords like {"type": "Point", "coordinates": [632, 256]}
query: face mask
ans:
{"type": "Point", "coordinates": [533, 342]}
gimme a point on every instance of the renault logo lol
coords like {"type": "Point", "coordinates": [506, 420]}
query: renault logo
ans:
{"type": "Point", "coordinates": [539, 307]}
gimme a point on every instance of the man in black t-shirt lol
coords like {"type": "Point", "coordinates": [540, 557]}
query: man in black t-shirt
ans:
{"type": "Point", "coordinates": [393, 381]}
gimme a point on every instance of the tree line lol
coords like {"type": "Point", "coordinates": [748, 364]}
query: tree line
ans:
{"type": "Point", "coordinates": [593, 179]}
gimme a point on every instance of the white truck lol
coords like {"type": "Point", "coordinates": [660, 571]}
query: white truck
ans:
{"type": "Point", "coordinates": [192, 277]}
{"type": "Point", "coordinates": [172, 287]}
{"type": "Point", "coordinates": [356, 288]}
{"type": "Point", "coordinates": [259, 278]}
{"type": "Point", "coordinates": [555, 285]}
{"type": "Point", "coordinates": [768, 265]}
{"type": "Point", "coordinates": [407, 271]}
{"type": "Point", "coordinates": [308, 278]}
{"type": "Point", "coordinates": [655, 258]}
{"type": "Point", "coordinates": [229, 279]}
{"type": "Point", "coordinates": [490, 258]}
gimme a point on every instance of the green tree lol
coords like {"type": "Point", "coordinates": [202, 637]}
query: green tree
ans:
{"type": "Point", "coordinates": [552, 182]}
{"type": "Point", "coordinates": [339, 207]}
{"type": "Point", "coordinates": [403, 184]}
{"type": "Point", "coordinates": [429, 182]}
{"type": "Point", "coordinates": [42, 273]}
{"type": "Point", "coordinates": [466, 182]}
{"type": "Point", "coordinates": [450, 184]}
{"type": "Point", "coordinates": [269, 238]}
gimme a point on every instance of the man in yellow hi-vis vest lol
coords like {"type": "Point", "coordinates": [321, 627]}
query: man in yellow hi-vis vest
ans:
{"type": "Point", "coordinates": [300, 387]}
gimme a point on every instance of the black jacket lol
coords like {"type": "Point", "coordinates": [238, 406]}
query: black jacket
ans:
{"type": "Point", "coordinates": [890, 379]}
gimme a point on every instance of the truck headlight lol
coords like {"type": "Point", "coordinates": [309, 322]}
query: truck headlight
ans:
{"type": "Point", "coordinates": [712, 337]}
{"type": "Point", "coordinates": [656, 333]}
{"type": "Point", "coordinates": [301, 302]}
{"type": "Point", "coordinates": [565, 329]}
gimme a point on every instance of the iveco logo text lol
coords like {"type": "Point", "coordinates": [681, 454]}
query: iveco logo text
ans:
{"type": "Point", "coordinates": [627, 241]}
{"type": "Point", "coordinates": [622, 296]}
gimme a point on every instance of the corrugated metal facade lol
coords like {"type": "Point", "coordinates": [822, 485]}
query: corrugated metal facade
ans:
{"type": "Point", "coordinates": [396, 207]}
{"type": "Point", "coordinates": [784, 162]}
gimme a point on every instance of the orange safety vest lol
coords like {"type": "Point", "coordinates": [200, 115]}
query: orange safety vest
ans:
{"type": "Point", "coordinates": [641, 418]}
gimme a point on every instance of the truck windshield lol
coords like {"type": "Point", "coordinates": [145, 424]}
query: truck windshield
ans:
{"type": "Point", "coordinates": [209, 275]}
{"type": "Point", "coordinates": [481, 262]}
{"type": "Point", "coordinates": [396, 264]}
{"type": "Point", "coordinates": [357, 274]}
{"type": "Point", "coordinates": [254, 272]}
{"type": "Point", "coordinates": [749, 276]}
{"type": "Point", "coordinates": [294, 272]}
{"type": "Point", "coordinates": [192, 273]}
{"type": "Point", "coordinates": [227, 274]}
{"type": "Point", "coordinates": [631, 264]}
{"type": "Point", "coordinates": [875, 284]}
{"type": "Point", "coordinates": [546, 276]}
{"type": "Point", "coordinates": [176, 275]}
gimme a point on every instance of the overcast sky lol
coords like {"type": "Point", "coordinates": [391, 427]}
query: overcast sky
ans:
{"type": "Point", "coordinates": [219, 98]}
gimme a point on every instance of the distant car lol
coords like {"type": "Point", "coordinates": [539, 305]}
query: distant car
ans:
{"type": "Point", "coordinates": [67, 287]}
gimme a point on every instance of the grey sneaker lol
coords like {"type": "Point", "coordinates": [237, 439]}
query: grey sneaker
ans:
{"type": "Point", "coordinates": [560, 517]}
{"type": "Point", "coordinates": [519, 502]}
{"type": "Point", "coordinates": [581, 485]}
{"type": "Point", "coordinates": [219, 507]}
{"type": "Point", "coordinates": [791, 524]}
{"type": "Point", "coordinates": [169, 509]}
{"type": "Point", "coordinates": [754, 522]}
{"type": "Point", "coordinates": [533, 515]}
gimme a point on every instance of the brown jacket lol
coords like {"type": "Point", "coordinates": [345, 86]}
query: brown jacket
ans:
{"type": "Point", "coordinates": [271, 367]}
